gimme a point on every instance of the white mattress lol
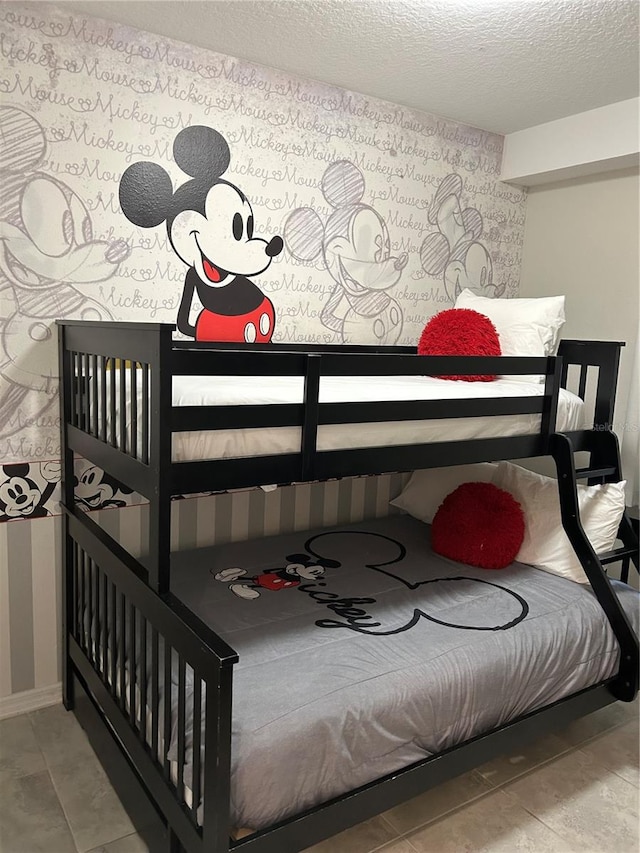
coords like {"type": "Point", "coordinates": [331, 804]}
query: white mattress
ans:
{"type": "Point", "coordinates": [235, 390]}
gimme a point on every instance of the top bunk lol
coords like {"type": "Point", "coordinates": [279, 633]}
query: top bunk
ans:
{"type": "Point", "coordinates": [171, 417]}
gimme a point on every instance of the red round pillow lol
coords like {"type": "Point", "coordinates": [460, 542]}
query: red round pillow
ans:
{"type": "Point", "coordinates": [480, 525]}
{"type": "Point", "coordinates": [460, 331]}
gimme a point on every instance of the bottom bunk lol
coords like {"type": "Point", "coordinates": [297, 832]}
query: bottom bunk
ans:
{"type": "Point", "coordinates": [361, 652]}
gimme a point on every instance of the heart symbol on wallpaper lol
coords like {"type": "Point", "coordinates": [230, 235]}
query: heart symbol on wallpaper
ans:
{"type": "Point", "coordinates": [450, 592]}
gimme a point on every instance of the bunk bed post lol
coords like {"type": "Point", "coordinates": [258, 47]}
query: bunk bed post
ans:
{"type": "Point", "coordinates": [160, 462]}
{"type": "Point", "coordinates": [552, 384]}
{"type": "Point", "coordinates": [67, 498]}
{"type": "Point", "coordinates": [605, 355]}
{"type": "Point", "coordinates": [217, 765]}
{"type": "Point", "coordinates": [311, 413]}
{"type": "Point", "coordinates": [607, 382]}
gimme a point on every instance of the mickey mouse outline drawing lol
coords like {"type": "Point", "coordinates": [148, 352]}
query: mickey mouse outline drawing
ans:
{"type": "Point", "coordinates": [454, 251]}
{"type": "Point", "coordinates": [210, 225]}
{"type": "Point", "coordinates": [355, 249]}
{"type": "Point", "coordinates": [50, 260]}
{"type": "Point", "coordinates": [349, 612]}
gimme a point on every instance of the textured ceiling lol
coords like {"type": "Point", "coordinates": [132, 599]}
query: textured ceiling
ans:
{"type": "Point", "coordinates": [502, 65]}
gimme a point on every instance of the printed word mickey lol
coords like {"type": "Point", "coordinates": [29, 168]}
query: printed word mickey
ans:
{"type": "Point", "coordinates": [210, 225]}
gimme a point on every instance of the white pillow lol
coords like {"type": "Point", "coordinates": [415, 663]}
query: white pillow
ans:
{"type": "Point", "coordinates": [546, 545]}
{"type": "Point", "coordinates": [427, 488]}
{"type": "Point", "coordinates": [525, 326]}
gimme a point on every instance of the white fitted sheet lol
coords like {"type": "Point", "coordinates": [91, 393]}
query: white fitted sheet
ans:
{"type": "Point", "coordinates": [269, 390]}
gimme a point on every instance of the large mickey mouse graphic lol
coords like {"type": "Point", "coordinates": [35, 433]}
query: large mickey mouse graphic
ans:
{"type": "Point", "coordinates": [454, 598]}
{"type": "Point", "coordinates": [355, 248]}
{"type": "Point", "coordinates": [210, 225]}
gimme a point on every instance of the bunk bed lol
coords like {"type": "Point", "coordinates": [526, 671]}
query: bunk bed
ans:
{"type": "Point", "coordinates": [129, 629]}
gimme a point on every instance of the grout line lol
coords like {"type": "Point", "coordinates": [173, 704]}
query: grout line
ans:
{"type": "Point", "coordinates": [445, 815]}
{"type": "Point", "coordinates": [101, 847]}
{"type": "Point", "coordinates": [601, 766]}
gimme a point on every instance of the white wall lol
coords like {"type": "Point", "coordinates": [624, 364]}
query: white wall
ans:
{"type": "Point", "coordinates": [582, 239]}
{"type": "Point", "coordinates": [602, 140]}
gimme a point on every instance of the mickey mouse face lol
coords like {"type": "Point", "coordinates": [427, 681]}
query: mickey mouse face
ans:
{"type": "Point", "coordinates": [91, 489]}
{"type": "Point", "coordinates": [52, 240]}
{"type": "Point", "coordinates": [45, 229]}
{"type": "Point", "coordinates": [355, 241]}
{"type": "Point", "coordinates": [308, 572]}
{"type": "Point", "coordinates": [471, 268]}
{"type": "Point", "coordinates": [220, 243]}
{"type": "Point", "coordinates": [20, 496]}
{"type": "Point", "coordinates": [362, 259]}
{"type": "Point", "coordinates": [454, 250]}
{"type": "Point", "coordinates": [209, 221]}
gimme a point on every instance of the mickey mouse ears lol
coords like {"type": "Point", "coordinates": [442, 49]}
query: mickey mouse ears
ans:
{"type": "Point", "coordinates": [22, 141]}
{"type": "Point", "coordinates": [201, 152]}
{"type": "Point", "coordinates": [146, 190]}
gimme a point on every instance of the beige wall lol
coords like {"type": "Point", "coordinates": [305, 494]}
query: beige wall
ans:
{"type": "Point", "coordinates": [582, 239]}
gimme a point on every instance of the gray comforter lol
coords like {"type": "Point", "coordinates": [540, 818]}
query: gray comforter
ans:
{"type": "Point", "coordinates": [361, 652]}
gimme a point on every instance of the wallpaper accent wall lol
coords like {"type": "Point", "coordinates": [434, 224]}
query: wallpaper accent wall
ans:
{"type": "Point", "coordinates": [30, 588]}
{"type": "Point", "coordinates": [386, 213]}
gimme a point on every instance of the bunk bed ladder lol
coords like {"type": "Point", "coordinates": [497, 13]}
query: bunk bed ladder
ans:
{"type": "Point", "coordinates": [604, 467]}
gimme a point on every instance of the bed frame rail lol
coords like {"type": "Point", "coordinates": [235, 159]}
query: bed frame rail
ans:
{"type": "Point", "coordinates": [147, 662]}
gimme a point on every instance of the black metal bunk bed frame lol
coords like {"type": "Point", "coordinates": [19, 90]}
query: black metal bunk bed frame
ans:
{"type": "Point", "coordinates": [105, 367]}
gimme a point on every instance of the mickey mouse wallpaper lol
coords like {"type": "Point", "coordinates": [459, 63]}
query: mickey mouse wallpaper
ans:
{"type": "Point", "coordinates": [95, 489]}
{"type": "Point", "coordinates": [354, 247]}
{"type": "Point", "coordinates": [454, 251]}
{"type": "Point", "coordinates": [210, 225]}
{"type": "Point", "coordinates": [21, 497]}
{"type": "Point", "coordinates": [51, 263]}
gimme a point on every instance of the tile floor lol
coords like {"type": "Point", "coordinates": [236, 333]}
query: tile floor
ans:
{"type": "Point", "coordinates": [576, 790]}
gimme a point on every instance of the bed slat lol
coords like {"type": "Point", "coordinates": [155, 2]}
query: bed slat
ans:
{"type": "Point", "coordinates": [122, 375]}
{"type": "Point", "coordinates": [86, 397]}
{"type": "Point", "coordinates": [133, 401]}
{"type": "Point", "coordinates": [167, 710]}
{"type": "Point", "coordinates": [181, 727]}
{"type": "Point", "coordinates": [103, 398]}
{"type": "Point", "coordinates": [132, 665]}
{"type": "Point", "coordinates": [112, 407]}
{"type": "Point", "coordinates": [145, 413]}
{"type": "Point", "coordinates": [197, 745]}
{"type": "Point", "coordinates": [88, 605]}
{"type": "Point", "coordinates": [94, 395]}
{"type": "Point", "coordinates": [105, 640]}
{"type": "Point", "coordinates": [73, 396]}
{"type": "Point", "coordinates": [582, 384]}
{"type": "Point", "coordinates": [143, 678]}
{"type": "Point", "coordinates": [114, 638]}
{"type": "Point", "coordinates": [122, 665]}
{"type": "Point", "coordinates": [155, 694]}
